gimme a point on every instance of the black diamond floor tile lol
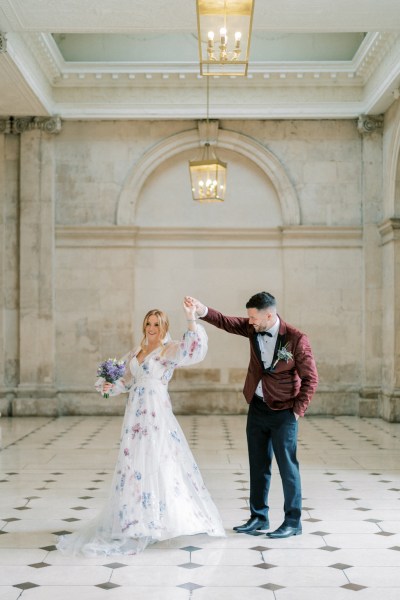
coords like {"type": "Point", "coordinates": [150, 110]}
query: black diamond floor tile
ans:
{"type": "Point", "coordinates": [26, 585]}
{"type": "Point", "coordinates": [39, 565]}
{"type": "Point", "coordinates": [107, 586]}
{"type": "Point", "coordinates": [272, 586]}
{"type": "Point", "coordinates": [265, 566]}
{"type": "Point", "coordinates": [190, 586]}
{"type": "Point", "coordinates": [190, 548]}
{"type": "Point", "coordinates": [354, 587]}
{"type": "Point", "coordinates": [190, 565]}
{"type": "Point", "coordinates": [115, 565]}
{"type": "Point", "coordinates": [341, 566]}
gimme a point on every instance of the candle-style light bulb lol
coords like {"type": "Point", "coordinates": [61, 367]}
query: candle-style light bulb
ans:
{"type": "Point", "coordinates": [238, 37]}
{"type": "Point", "coordinates": [222, 33]}
{"type": "Point", "coordinates": [210, 36]}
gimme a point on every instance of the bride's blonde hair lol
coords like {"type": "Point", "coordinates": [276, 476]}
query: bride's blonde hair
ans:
{"type": "Point", "coordinates": [163, 324]}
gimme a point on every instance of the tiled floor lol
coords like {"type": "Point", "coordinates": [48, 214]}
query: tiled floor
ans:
{"type": "Point", "coordinates": [55, 473]}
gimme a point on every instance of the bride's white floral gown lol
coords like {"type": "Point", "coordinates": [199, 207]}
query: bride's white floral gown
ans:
{"type": "Point", "coordinates": [157, 490]}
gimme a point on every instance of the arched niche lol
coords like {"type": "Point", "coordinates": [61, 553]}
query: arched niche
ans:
{"type": "Point", "coordinates": [189, 140]}
{"type": "Point", "coordinates": [251, 200]}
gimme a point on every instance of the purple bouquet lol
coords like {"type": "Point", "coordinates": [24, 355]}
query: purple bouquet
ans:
{"type": "Point", "coordinates": [111, 370]}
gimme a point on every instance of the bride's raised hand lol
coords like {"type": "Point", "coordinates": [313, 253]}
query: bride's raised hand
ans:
{"type": "Point", "coordinates": [189, 308]}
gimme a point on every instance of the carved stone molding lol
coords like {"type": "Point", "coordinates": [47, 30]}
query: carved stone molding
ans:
{"type": "Point", "coordinates": [3, 43]}
{"type": "Point", "coordinates": [389, 231]}
{"type": "Point", "coordinates": [208, 132]}
{"type": "Point", "coordinates": [369, 124]}
{"type": "Point", "coordinates": [17, 125]}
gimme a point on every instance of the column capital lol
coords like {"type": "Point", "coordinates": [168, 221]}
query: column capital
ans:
{"type": "Point", "coordinates": [5, 125]}
{"type": "Point", "coordinates": [18, 125]}
{"type": "Point", "coordinates": [3, 43]}
{"type": "Point", "coordinates": [369, 123]}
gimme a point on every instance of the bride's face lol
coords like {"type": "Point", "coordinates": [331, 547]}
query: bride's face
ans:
{"type": "Point", "coordinates": [152, 329]}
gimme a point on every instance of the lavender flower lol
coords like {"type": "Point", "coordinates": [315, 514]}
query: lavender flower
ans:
{"type": "Point", "coordinates": [111, 370]}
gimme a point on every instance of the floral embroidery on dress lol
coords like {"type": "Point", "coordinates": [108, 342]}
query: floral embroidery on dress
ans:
{"type": "Point", "coordinates": [175, 436]}
{"type": "Point", "coordinates": [137, 429]}
{"type": "Point", "coordinates": [157, 491]}
{"type": "Point", "coordinates": [146, 499]}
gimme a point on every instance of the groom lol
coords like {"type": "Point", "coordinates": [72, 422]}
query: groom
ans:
{"type": "Point", "coordinates": [281, 380]}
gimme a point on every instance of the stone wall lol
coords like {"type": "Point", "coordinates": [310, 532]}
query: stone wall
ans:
{"type": "Point", "coordinates": [106, 229]}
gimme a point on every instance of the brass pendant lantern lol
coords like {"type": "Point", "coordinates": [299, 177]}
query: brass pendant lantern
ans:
{"type": "Point", "coordinates": [208, 177]}
{"type": "Point", "coordinates": [224, 32]}
{"type": "Point", "coordinates": [208, 173]}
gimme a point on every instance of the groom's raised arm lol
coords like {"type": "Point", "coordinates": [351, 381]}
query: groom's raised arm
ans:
{"type": "Point", "coordinates": [236, 325]}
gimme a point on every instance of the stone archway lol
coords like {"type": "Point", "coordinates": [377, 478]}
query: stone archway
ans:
{"type": "Point", "coordinates": [188, 140]}
{"type": "Point", "coordinates": [391, 166]}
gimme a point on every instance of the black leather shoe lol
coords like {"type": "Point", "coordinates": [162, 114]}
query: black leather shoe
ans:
{"type": "Point", "coordinates": [253, 524]}
{"type": "Point", "coordinates": [285, 531]}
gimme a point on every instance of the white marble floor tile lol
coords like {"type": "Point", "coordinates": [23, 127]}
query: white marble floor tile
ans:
{"type": "Point", "coordinates": [9, 593]}
{"type": "Point", "coordinates": [52, 468]}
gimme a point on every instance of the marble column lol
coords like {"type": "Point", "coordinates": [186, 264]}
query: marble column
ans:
{"type": "Point", "coordinates": [390, 233]}
{"type": "Point", "coordinates": [3, 401]}
{"type": "Point", "coordinates": [36, 391]}
{"type": "Point", "coordinates": [371, 183]}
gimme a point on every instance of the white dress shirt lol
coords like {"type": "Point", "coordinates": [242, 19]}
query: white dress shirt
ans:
{"type": "Point", "coordinates": [267, 347]}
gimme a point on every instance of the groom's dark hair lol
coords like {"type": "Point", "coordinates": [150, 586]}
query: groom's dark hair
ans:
{"type": "Point", "coordinates": [261, 301]}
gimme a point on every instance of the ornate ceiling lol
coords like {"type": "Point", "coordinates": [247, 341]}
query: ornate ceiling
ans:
{"type": "Point", "coordinates": [137, 59]}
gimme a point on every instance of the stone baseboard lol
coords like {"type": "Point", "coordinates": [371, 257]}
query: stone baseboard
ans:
{"type": "Point", "coordinates": [390, 406]}
{"type": "Point", "coordinates": [193, 399]}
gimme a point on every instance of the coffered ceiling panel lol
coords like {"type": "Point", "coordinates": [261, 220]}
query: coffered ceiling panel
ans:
{"type": "Point", "coordinates": [138, 59]}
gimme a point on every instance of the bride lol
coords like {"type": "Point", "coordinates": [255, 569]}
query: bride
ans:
{"type": "Point", "coordinates": [157, 491]}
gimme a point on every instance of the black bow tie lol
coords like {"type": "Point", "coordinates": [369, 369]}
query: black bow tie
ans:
{"type": "Point", "coordinates": [265, 333]}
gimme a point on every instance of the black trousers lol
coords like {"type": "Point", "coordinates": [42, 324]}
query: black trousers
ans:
{"type": "Point", "coordinates": [273, 432]}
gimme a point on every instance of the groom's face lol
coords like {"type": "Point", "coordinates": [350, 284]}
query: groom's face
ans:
{"type": "Point", "coordinates": [261, 320]}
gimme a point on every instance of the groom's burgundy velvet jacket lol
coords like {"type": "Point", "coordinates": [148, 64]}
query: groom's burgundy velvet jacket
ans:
{"type": "Point", "coordinates": [288, 384]}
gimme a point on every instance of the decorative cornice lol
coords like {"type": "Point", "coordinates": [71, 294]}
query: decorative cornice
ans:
{"type": "Point", "coordinates": [389, 230]}
{"type": "Point", "coordinates": [372, 51]}
{"type": "Point", "coordinates": [369, 124]}
{"type": "Point", "coordinates": [44, 48]}
{"type": "Point", "coordinates": [3, 43]}
{"type": "Point", "coordinates": [17, 125]}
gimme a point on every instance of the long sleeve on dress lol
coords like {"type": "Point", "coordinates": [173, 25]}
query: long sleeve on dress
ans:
{"type": "Point", "coordinates": [191, 349]}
